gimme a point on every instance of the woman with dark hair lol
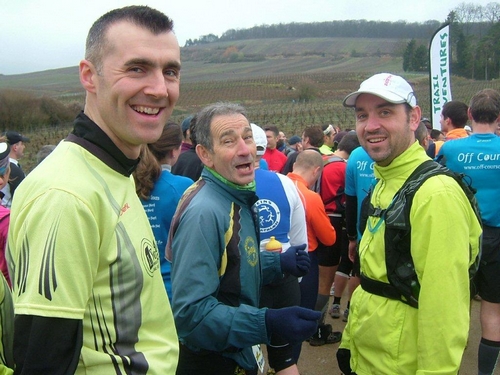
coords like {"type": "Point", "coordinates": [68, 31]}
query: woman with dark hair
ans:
{"type": "Point", "coordinates": [160, 190]}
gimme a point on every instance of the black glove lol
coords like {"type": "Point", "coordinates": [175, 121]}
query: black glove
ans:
{"type": "Point", "coordinates": [293, 324]}
{"type": "Point", "coordinates": [295, 261]}
{"type": "Point", "coordinates": [344, 360]}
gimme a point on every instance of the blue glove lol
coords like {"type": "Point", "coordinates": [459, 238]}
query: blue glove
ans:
{"type": "Point", "coordinates": [293, 324]}
{"type": "Point", "coordinates": [295, 261]}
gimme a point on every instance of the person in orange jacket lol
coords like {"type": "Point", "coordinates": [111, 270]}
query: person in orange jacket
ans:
{"type": "Point", "coordinates": [306, 170]}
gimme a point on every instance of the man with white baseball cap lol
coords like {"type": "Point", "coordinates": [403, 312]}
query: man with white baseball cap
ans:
{"type": "Point", "coordinates": [259, 136]}
{"type": "Point", "coordinates": [385, 334]}
{"type": "Point", "coordinates": [392, 88]}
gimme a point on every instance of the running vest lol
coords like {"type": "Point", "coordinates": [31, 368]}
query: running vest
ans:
{"type": "Point", "coordinates": [403, 282]}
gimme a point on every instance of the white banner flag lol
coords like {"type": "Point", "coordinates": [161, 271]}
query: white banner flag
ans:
{"type": "Point", "coordinates": [439, 63]}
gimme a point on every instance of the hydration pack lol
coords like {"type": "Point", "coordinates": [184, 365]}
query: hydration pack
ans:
{"type": "Point", "coordinates": [403, 282]}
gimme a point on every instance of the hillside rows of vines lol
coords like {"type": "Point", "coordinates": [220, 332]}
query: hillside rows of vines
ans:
{"type": "Point", "coordinates": [275, 100]}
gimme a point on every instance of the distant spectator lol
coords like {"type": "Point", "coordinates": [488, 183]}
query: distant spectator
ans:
{"type": "Point", "coordinates": [338, 137]}
{"type": "Point", "coordinates": [186, 134]}
{"type": "Point", "coordinates": [427, 124]}
{"type": "Point", "coordinates": [189, 164]}
{"type": "Point", "coordinates": [294, 145]}
{"type": "Point", "coordinates": [281, 144]}
{"type": "Point", "coordinates": [312, 138]}
{"type": "Point", "coordinates": [453, 119]}
{"type": "Point", "coordinates": [260, 139]}
{"type": "Point", "coordinates": [275, 158]}
{"type": "Point", "coordinates": [329, 132]}
{"type": "Point", "coordinates": [17, 144]}
{"type": "Point", "coordinates": [422, 136]}
{"type": "Point", "coordinates": [44, 152]}
{"type": "Point", "coordinates": [437, 135]}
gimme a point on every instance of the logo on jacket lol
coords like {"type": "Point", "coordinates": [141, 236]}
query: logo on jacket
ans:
{"type": "Point", "coordinates": [251, 250]}
{"type": "Point", "coordinates": [124, 209]}
{"type": "Point", "coordinates": [269, 215]}
{"type": "Point", "coordinates": [150, 256]}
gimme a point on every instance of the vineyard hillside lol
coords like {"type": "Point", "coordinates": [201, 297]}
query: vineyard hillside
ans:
{"type": "Point", "coordinates": [276, 56]}
{"type": "Point", "coordinates": [294, 86]}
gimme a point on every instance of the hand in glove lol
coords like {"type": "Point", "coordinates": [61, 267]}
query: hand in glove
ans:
{"type": "Point", "coordinates": [295, 261]}
{"type": "Point", "coordinates": [344, 359]}
{"type": "Point", "coordinates": [293, 324]}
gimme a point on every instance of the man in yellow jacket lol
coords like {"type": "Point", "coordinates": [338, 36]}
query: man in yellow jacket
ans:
{"type": "Point", "coordinates": [387, 336]}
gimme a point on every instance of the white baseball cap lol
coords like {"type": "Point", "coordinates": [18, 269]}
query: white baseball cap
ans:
{"type": "Point", "coordinates": [390, 87]}
{"type": "Point", "coordinates": [259, 136]}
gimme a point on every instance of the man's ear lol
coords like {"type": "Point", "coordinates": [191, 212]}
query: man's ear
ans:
{"type": "Point", "coordinates": [204, 155]}
{"type": "Point", "coordinates": [415, 116]}
{"type": "Point", "coordinates": [88, 75]}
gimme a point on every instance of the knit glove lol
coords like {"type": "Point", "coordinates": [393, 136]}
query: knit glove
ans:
{"type": "Point", "coordinates": [344, 359]}
{"type": "Point", "coordinates": [295, 261]}
{"type": "Point", "coordinates": [293, 324]}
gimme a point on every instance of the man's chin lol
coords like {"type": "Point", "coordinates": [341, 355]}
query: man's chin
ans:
{"type": "Point", "coordinates": [246, 179]}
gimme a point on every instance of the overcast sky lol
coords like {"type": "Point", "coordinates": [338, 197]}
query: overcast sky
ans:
{"type": "Point", "coordinates": [38, 35]}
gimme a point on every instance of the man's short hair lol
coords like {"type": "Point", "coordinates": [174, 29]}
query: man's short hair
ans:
{"type": "Point", "coordinates": [349, 142]}
{"type": "Point", "coordinates": [421, 133]}
{"type": "Point", "coordinates": [205, 117]}
{"type": "Point", "coordinates": [485, 106]}
{"type": "Point", "coordinates": [273, 129]}
{"type": "Point", "coordinates": [436, 133]}
{"type": "Point", "coordinates": [456, 111]}
{"type": "Point", "coordinates": [315, 135]}
{"type": "Point", "coordinates": [308, 159]}
{"type": "Point", "coordinates": [192, 130]}
{"type": "Point", "coordinates": [143, 16]}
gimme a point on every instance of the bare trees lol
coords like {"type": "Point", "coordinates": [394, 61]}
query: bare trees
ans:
{"type": "Point", "coordinates": [476, 40]}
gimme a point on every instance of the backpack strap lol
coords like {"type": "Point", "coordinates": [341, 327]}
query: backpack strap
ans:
{"type": "Point", "coordinates": [403, 282]}
{"type": "Point", "coordinates": [331, 159]}
{"type": "Point", "coordinates": [338, 197]}
{"type": "Point", "coordinates": [399, 262]}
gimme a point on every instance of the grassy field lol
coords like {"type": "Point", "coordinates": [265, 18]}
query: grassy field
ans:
{"type": "Point", "coordinates": [269, 89]}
